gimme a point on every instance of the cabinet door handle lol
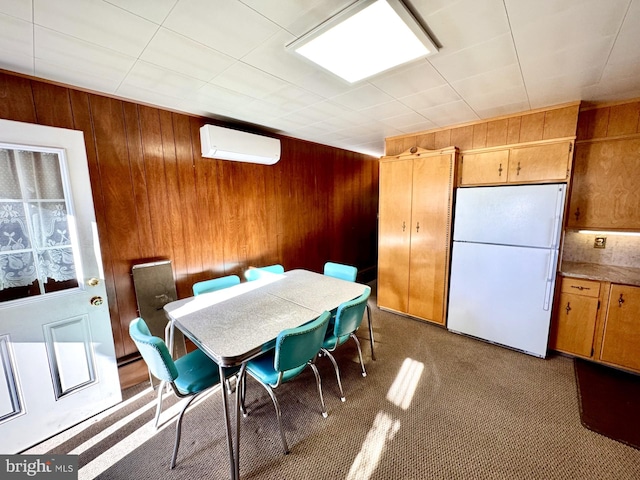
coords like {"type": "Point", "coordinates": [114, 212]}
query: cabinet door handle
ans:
{"type": "Point", "coordinates": [500, 170]}
{"type": "Point", "coordinates": [518, 169]}
{"type": "Point", "coordinates": [403, 226]}
{"type": "Point", "coordinates": [568, 309]}
{"type": "Point", "coordinates": [580, 287]}
{"type": "Point", "coordinates": [577, 214]}
{"type": "Point", "coordinates": [417, 227]}
{"type": "Point", "coordinates": [620, 301]}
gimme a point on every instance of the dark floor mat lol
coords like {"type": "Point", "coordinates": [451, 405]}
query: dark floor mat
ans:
{"type": "Point", "coordinates": [609, 401]}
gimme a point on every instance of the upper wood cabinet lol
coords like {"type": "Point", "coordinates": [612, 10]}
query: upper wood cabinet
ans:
{"type": "Point", "coordinates": [605, 181]}
{"type": "Point", "coordinates": [416, 193]}
{"type": "Point", "coordinates": [543, 162]}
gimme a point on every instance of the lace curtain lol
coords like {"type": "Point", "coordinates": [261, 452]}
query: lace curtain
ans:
{"type": "Point", "coordinates": [34, 233]}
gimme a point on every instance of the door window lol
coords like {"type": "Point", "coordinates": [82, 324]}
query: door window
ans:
{"type": "Point", "coordinates": [36, 228]}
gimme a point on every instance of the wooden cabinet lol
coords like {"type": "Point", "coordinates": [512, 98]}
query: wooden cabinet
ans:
{"type": "Point", "coordinates": [621, 337]}
{"type": "Point", "coordinates": [599, 321]}
{"type": "Point", "coordinates": [574, 318]}
{"type": "Point", "coordinates": [605, 183]}
{"type": "Point", "coordinates": [544, 162]}
{"type": "Point", "coordinates": [416, 192]}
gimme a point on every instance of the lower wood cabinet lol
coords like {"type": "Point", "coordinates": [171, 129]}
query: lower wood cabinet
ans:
{"type": "Point", "coordinates": [599, 321]}
{"type": "Point", "coordinates": [621, 337]}
{"type": "Point", "coordinates": [575, 315]}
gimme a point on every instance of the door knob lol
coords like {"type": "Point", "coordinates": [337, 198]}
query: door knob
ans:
{"type": "Point", "coordinates": [92, 282]}
{"type": "Point", "coordinates": [96, 301]}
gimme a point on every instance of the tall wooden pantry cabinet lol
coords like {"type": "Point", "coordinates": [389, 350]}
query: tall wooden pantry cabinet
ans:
{"type": "Point", "coordinates": [415, 221]}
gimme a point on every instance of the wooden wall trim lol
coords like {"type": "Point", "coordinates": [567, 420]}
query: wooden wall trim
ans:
{"type": "Point", "coordinates": [156, 198]}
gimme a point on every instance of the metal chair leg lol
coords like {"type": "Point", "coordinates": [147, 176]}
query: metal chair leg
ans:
{"type": "Point", "coordinates": [319, 384]}
{"type": "Point", "coordinates": [159, 406]}
{"type": "Point", "coordinates": [178, 431]}
{"type": "Point", "coordinates": [335, 367]}
{"type": "Point", "coordinates": [278, 413]}
{"type": "Point", "coordinates": [364, 372]}
{"type": "Point", "coordinates": [373, 355]}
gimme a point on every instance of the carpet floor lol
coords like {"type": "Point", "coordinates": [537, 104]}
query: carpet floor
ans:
{"type": "Point", "coordinates": [434, 405]}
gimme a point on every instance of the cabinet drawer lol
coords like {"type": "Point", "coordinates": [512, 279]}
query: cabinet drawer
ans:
{"type": "Point", "coordinates": [578, 286]}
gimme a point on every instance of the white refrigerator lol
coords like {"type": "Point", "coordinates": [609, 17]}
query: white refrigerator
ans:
{"type": "Point", "coordinates": [503, 264]}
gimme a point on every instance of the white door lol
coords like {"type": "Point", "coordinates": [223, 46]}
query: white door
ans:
{"type": "Point", "coordinates": [57, 358]}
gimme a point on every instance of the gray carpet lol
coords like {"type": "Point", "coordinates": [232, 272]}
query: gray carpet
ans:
{"type": "Point", "coordinates": [478, 411]}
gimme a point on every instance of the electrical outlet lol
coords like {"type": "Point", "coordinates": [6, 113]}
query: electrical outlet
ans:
{"type": "Point", "coordinates": [600, 242]}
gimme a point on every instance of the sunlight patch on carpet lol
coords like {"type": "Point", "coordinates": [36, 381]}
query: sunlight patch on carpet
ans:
{"type": "Point", "coordinates": [384, 429]}
{"type": "Point", "coordinates": [404, 386]}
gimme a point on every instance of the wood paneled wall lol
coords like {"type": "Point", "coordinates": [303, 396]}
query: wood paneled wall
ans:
{"type": "Point", "coordinates": [609, 121]}
{"type": "Point", "coordinates": [157, 198]}
{"type": "Point", "coordinates": [534, 126]}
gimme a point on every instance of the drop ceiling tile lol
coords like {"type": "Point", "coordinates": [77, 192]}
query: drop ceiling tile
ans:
{"type": "Point", "coordinates": [422, 126]}
{"type": "Point", "coordinates": [272, 57]}
{"type": "Point", "coordinates": [323, 83]}
{"type": "Point", "coordinates": [496, 80]}
{"type": "Point", "coordinates": [402, 121]}
{"type": "Point", "coordinates": [248, 80]}
{"type": "Point", "coordinates": [496, 110]}
{"type": "Point", "coordinates": [17, 8]}
{"type": "Point", "coordinates": [386, 110]}
{"type": "Point", "coordinates": [16, 36]}
{"type": "Point", "coordinates": [490, 55]}
{"type": "Point", "coordinates": [160, 80]}
{"type": "Point", "coordinates": [290, 98]}
{"type": "Point", "coordinates": [409, 79]}
{"type": "Point", "coordinates": [215, 97]}
{"type": "Point", "coordinates": [229, 27]}
{"type": "Point", "coordinates": [102, 65]}
{"type": "Point", "coordinates": [450, 113]}
{"type": "Point", "coordinates": [149, 97]}
{"type": "Point", "coordinates": [431, 98]}
{"type": "Point", "coordinates": [575, 25]}
{"type": "Point", "coordinates": [298, 16]}
{"type": "Point", "coordinates": [154, 10]}
{"type": "Point", "coordinates": [76, 76]}
{"type": "Point", "coordinates": [362, 97]}
{"type": "Point", "coordinates": [176, 52]}
{"type": "Point", "coordinates": [96, 22]}
{"type": "Point", "coordinates": [496, 99]}
{"type": "Point", "coordinates": [468, 22]}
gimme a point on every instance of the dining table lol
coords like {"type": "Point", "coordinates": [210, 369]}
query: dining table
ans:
{"type": "Point", "coordinates": [234, 325]}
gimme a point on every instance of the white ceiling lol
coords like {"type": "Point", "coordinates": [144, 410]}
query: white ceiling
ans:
{"type": "Point", "coordinates": [226, 59]}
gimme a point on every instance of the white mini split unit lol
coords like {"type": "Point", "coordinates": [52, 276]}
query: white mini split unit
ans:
{"type": "Point", "coordinates": [228, 144]}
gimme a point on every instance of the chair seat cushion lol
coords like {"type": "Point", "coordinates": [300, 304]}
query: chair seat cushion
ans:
{"type": "Point", "coordinates": [196, 372]}
{"type": "Point", "coordinates": [262, 369]}
{"type": "Point", "coordinates": [331, 342]}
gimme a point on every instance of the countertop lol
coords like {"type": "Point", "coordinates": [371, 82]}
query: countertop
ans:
{"type": "Point", "coordinates": [604, 273]}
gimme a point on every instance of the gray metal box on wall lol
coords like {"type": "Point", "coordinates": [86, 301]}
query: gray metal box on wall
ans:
{"type": "Point", "coordinates": [155, 287]}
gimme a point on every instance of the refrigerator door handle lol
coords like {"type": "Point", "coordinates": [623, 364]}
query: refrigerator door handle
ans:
{"type": "Point", "coordinates": [557, 223]}
{"type": "Point", "coordinates": [548, 292]}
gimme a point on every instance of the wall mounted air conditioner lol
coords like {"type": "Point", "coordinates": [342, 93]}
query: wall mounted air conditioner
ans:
{"type": "Point", "coordinates": [227, 144]}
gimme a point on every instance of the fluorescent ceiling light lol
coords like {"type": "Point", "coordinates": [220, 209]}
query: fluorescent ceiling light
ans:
{"type": "Point", "coordinates": [366, 38]}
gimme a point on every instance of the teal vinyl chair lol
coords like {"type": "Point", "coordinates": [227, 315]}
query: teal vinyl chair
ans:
{"type": "Point", "coordinates": [214, 284]}
{"type": "Point", "coordinates": [295, 349]}
{"type": "Point", "coordinates": [349, 273]}
{"type": "Point", "coordinates": [255, 273]}
{"type": "Point", "coordinates": [348, 319]}
{"type": "Point", "coordinates": [339, 270]}
{"type": "Point", "coordinates": [189, 376]}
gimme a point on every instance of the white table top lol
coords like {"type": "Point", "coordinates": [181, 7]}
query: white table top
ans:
{"type": "Point", "coordinates": [232, 325]}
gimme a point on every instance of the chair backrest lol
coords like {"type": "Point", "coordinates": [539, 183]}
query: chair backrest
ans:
{"type": "Point", "coordinates": [339, 270]}
{"type": "Point", "coordinates": [215, 284]}
{"type": "Point", "coordinates": [296, 346]}
{"type": "Point", "coordinates": [257, 272]}
{"type": "Point", "coordinates": [153, 350]}
{"type": "Point", "coordinates": [349, 314]}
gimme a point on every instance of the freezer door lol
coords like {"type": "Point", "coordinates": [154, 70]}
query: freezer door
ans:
{"type": "Point", "coordinates": [526, 215]}
{"type": "Point", "coordinates": [502, 294]}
